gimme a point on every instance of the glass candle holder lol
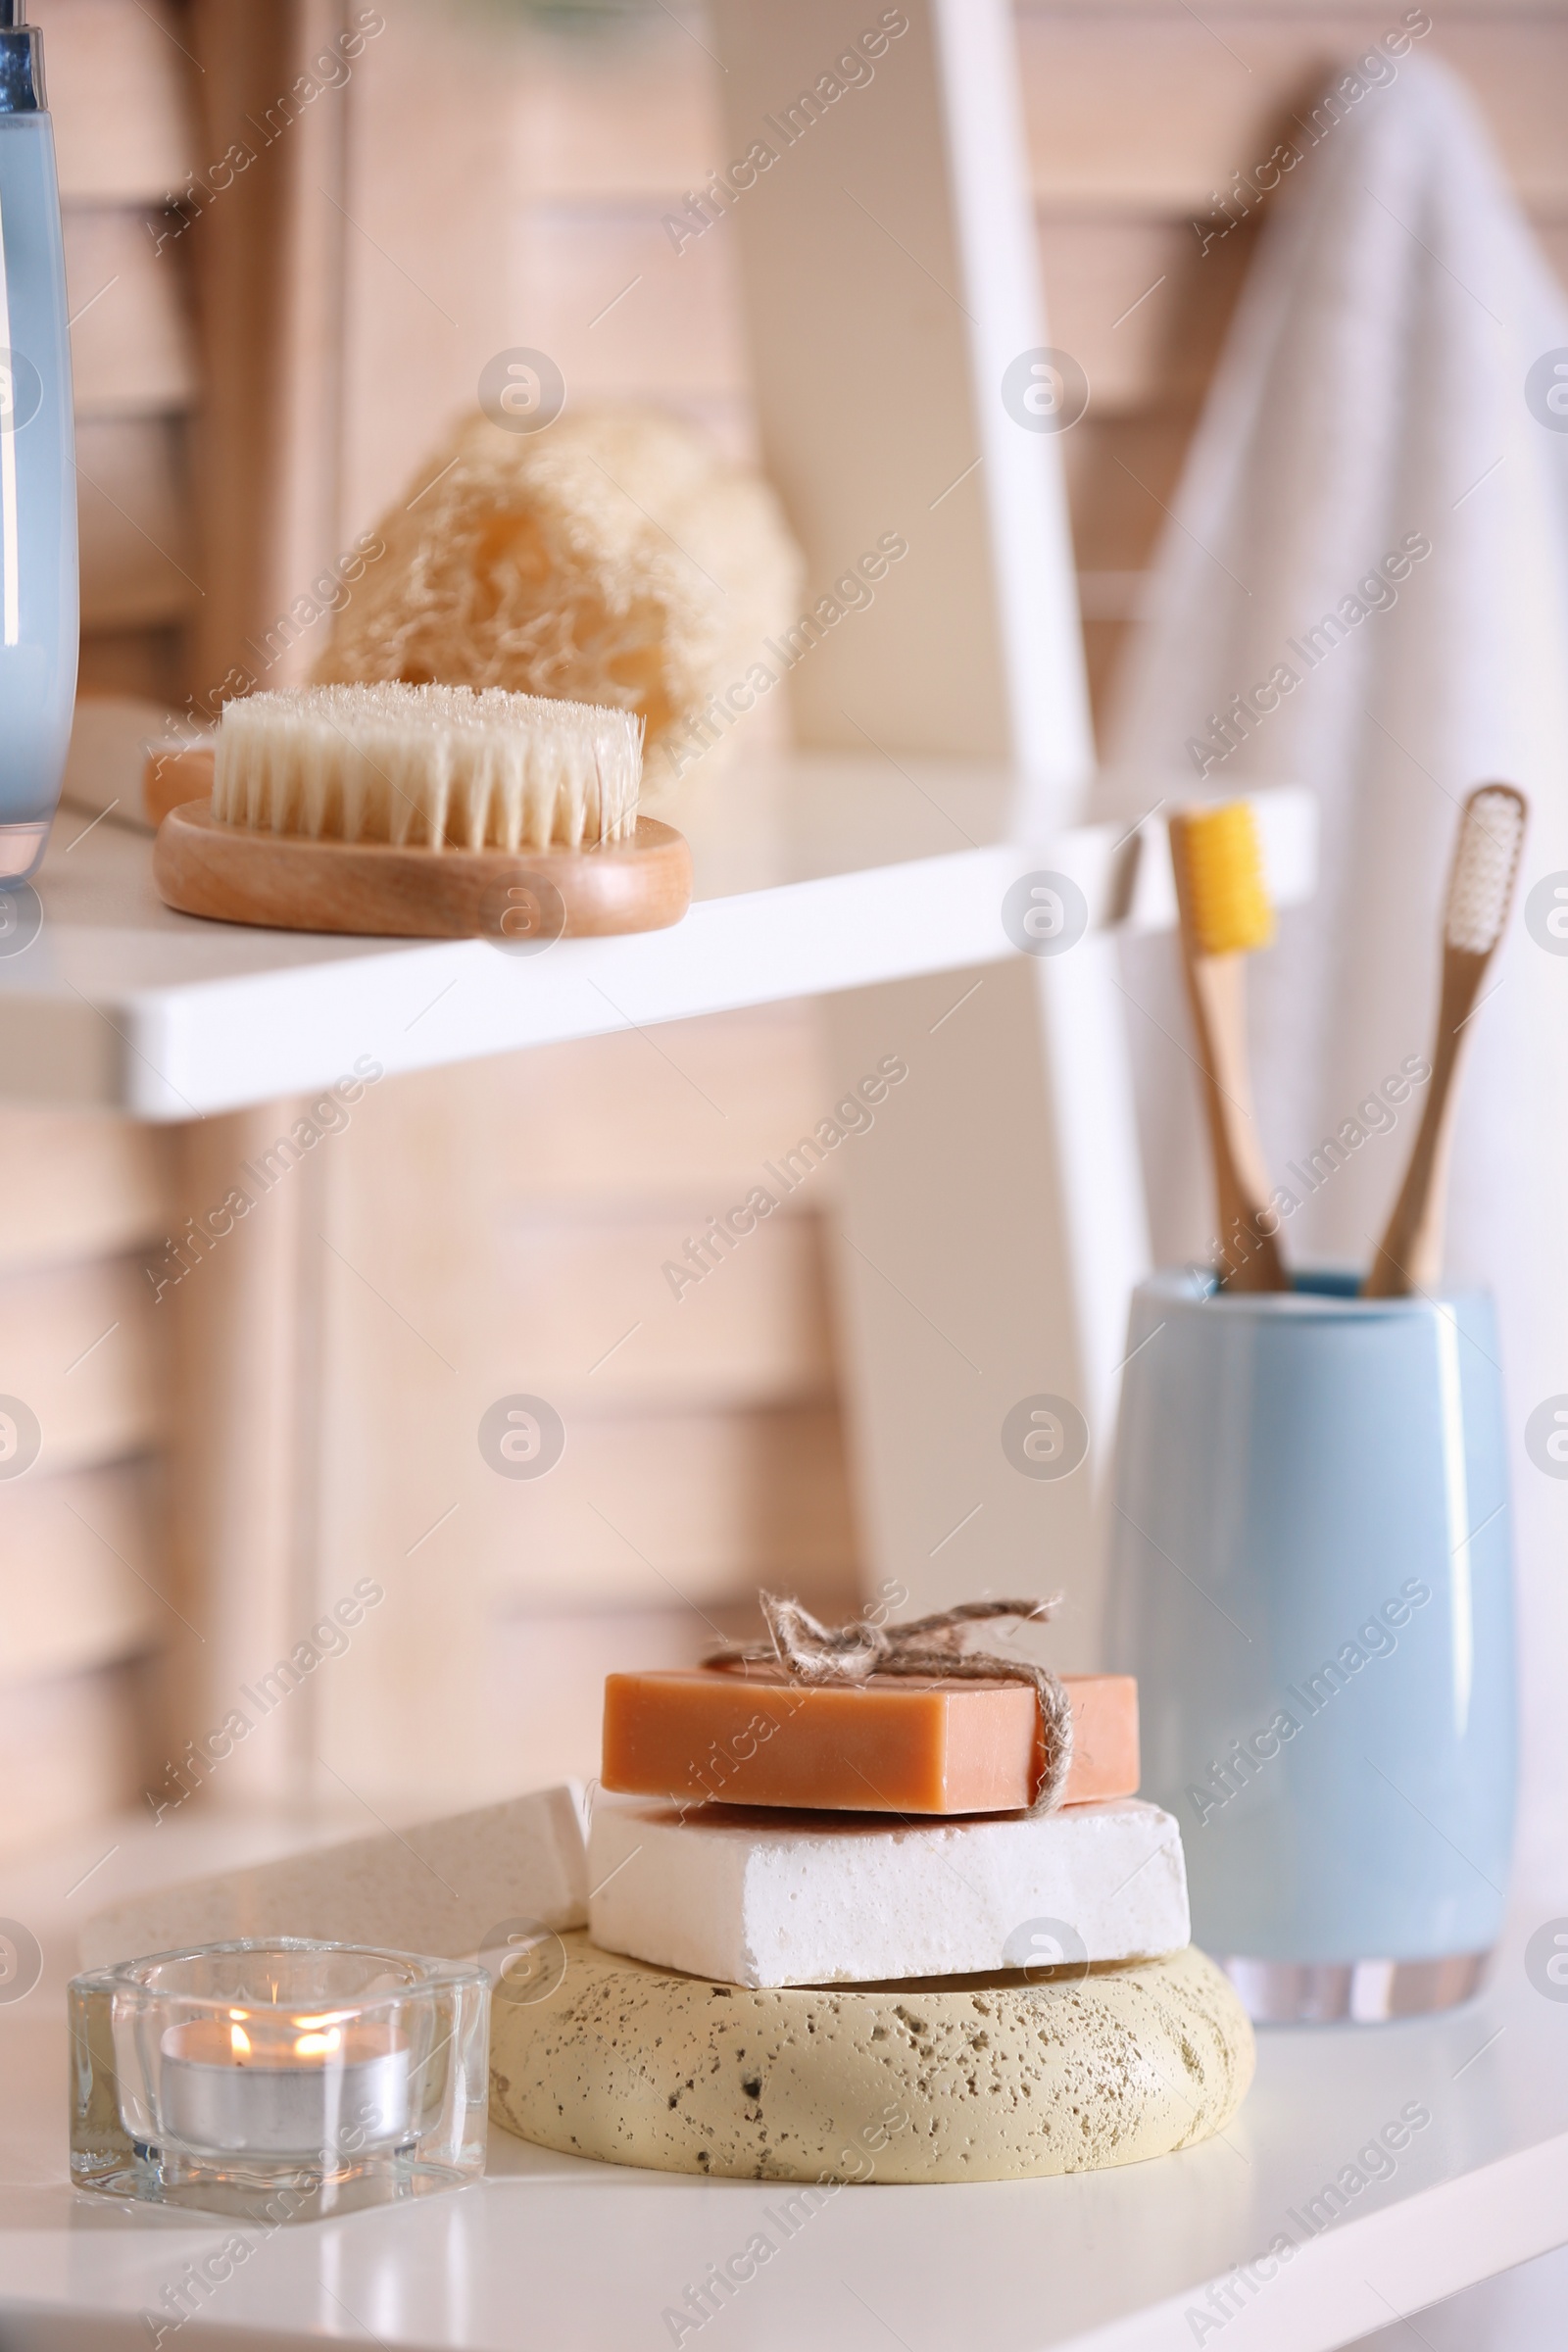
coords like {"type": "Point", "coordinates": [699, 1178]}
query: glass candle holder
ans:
{"type": "Point", "coordinates": [279, 2080]}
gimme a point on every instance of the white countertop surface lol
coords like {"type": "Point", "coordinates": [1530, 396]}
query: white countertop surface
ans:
{"type": "Point", "coordinates": [552, 2254]}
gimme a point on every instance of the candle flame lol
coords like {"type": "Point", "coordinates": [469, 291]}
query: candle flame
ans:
{"type": "Point", "coordinates": [318, 2045]}
{"type": "Point", "coordinates": [239, 2041]}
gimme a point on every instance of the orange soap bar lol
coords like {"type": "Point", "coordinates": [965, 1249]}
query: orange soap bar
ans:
{"type": "Point", "coordinates": [892, 1744]}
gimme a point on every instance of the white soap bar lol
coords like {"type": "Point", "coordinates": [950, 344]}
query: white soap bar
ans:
{"type": "Point", "coordinates": [439, 1888]}
{"type": "Point", "coordinates": [760, 1898]}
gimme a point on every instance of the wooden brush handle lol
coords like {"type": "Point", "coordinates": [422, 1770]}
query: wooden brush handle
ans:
{"type": "Point", "coordinates": [522, 899]}
{"type": "Point", "coordinates": [1409, 1256]}
{"type": "Point", "coordinates": [1216, 985]}
{"type": "Point", "coordinates": [1216, 992]}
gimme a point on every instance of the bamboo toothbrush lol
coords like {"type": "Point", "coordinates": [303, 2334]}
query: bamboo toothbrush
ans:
{"type": "Point", "coordinates": [1225, 913]}
{"type": "Point", "coordinates": [1481, 884]}
{"type": "Point", "coordinates": [435, 812]}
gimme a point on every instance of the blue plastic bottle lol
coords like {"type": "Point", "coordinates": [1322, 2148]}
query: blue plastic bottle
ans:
{"type": "Point", "coordinates": [38, 594]}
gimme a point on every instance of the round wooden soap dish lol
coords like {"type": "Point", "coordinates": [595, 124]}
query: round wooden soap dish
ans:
{"type": "Point", "coordinates": [521, 901]}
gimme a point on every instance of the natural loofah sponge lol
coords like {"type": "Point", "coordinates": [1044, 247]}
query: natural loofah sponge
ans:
{"type": "Point", "coordinates": [614, 558]}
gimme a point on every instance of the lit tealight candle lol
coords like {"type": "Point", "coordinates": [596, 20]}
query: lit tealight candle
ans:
{"type": "Point", "coordinates": [261, 2084]}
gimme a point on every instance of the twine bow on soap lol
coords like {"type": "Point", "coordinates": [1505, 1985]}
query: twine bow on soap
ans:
{"type": "Point", "coordinates": [927, 1646]}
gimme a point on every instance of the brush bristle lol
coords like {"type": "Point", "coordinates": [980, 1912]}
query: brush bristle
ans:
{"type": "Point", "coordinates": [1228, 896]}
{"type": "Point", "coordinates": [1485, 861]}
{"type": "Point", "coordinates": [428, 768]}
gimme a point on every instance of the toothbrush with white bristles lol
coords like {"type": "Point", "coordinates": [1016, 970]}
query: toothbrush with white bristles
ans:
{"type": "Point", "coordinates": [1481, 885]}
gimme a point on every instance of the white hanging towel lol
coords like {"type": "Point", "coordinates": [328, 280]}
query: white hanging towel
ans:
{"type": "Point", "coordinates": [1364, 589]}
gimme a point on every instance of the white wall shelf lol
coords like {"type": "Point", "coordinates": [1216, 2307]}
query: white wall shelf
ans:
{"type": "Point", "coordinates": [552, 2254]}
{"type": "Point", "coordinates": [814, 874]}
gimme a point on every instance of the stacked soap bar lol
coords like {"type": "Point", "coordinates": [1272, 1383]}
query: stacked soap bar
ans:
{"type": "Point", "coordinates": [794, 1833]}
{"type": "Point", "coordinates": [771, 1898]}
{"type": "Point", "coordinates": [890, 1745]}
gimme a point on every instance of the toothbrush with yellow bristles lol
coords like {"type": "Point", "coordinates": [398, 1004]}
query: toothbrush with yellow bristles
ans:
{"type": "Point", "coordinates": [1225, 915]}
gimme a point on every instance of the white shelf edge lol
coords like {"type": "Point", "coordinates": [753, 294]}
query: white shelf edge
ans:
{"type": "Point", "coordinates": [167, 1049]}
{"type": "Point", "coordinates": [1358, 2277]}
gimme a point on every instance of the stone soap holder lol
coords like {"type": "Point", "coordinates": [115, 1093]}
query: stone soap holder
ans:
{"type": "Point", "coordinates": [279, 2079]}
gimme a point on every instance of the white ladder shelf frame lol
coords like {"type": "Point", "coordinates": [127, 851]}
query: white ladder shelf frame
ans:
{"type": "Point", "coordinates": [992, 1238]}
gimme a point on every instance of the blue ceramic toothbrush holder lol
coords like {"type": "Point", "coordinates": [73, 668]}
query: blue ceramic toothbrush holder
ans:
{"type": "Point", "coordinates": [1313, 1579]}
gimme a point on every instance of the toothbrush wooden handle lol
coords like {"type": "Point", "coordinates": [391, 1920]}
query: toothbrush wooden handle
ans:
{"type": "Point", "coordinates": [1216, 988]}
{"type": "Point", "coordinates": [1409, 1256]}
